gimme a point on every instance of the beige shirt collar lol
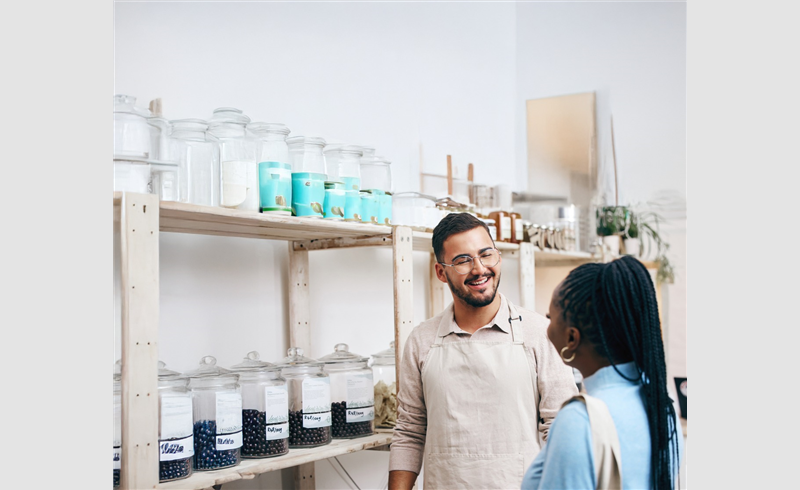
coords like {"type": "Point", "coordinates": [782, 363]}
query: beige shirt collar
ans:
{"type": "Point", "coordinates": [448, 323]}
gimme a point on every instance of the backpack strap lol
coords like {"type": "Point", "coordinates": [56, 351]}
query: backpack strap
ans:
{"type": "Point", "coordinates": [605, 442]}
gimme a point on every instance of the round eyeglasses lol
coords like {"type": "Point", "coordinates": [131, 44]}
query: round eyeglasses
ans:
{"type": "Point", "coordinates": [464, 264]}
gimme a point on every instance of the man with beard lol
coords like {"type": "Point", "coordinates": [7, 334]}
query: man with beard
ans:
{"type": "Point", "coordinates": [480, 383]}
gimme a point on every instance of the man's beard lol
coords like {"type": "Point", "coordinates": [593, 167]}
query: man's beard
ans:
{"type": "Point", "coordinates": [467, 298]}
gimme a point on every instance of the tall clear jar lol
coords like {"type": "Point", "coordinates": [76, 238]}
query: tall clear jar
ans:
{"type": "Point", "coordinates": [352, 396]}
{"type": "Point", "coordinates": [265, 408]}
{"type": "Point", "coordinates": [238, 158]}
{"type": "Point", "coordinates": [309, 174]}
{"type": "Point", "coordinates": [309, 400]}
{"type": "Point", "coordinates": [385, 375]}
{"type": "Point", "coordinates": [197, 153]}
{"type": "Point", "coordinates": [217, 414]}
{"type": "Point", "coordinates": [274, 168]}
{"type": "Point", "coordinates": [175, 426]}
{"type": "Point", "coordinates": [131, 131]}
{"type": "Point", "coordinates": [343, 164]}
{"type": "Point", "coordinates": [376, 179]}
{"type": "Point", "coordinates": [117, 441]}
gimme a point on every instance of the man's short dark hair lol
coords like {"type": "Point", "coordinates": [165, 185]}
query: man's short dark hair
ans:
{"type": "Point", "coordinates": [452, 224]}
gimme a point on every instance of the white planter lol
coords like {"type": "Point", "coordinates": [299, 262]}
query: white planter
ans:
{"type": "Point", "coordinates": [611, 244]}
{"type": "Point", "coordinates": [632, 246]}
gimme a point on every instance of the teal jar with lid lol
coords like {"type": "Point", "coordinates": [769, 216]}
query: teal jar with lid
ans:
{"type": "Point", "coordinates": [275, 182]}
{"type": "Point", "coordinates": [335, 200]}
{"type": "Point", "coordinates": [308, 175]}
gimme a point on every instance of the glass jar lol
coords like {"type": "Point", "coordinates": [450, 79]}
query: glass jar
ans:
{"type": "Point", "coordinates": [413, 209]}
{"type": "Point", "coordinates": [352, 396]}
{"type": "Point", "coordinates": [117, 441]}
{"type": "Point", "coordinates": [217, 414]}
{"type": "Point", "coordinates": [274, 168]}
{"type": "Point", "coordinates": [132, 174]}
{"type": "Point", "coordinates": [343, 165]}
{"type": "Point", "coordinates": [517, 232]}
{"type": "Point", "coordinates": [197, 154]}
{"type": "Point", "coordinates": [265, 408]}
{"type": "Point", "coordinates": [160, 135]}
{"type": "Point", "coordinates": [503, 222]}
{"type": "Point", "coordinates": [490, 223]}
{"type": "Point", "coordinates": [175, 430]}
{"type": "Point", "coordinates": [376, 178]}
{"type": "Point", "coordinates": [271, 139]}
{"type": "Point", "coordinates": [309, 400]}
{"type": "Point", "coordinates": [131, 131]}
{"type": "Point", "coordinates": [238, 159]}
{"type": "Point", "coordinates": [385, 390]}
{"type": "Point", "coordinates": [568, 222]}
{"type": "Point", "coordinates": [308, 175]}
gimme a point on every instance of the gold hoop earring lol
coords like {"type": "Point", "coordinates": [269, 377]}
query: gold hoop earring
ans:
{"type": "Point", "coordinates": [565, 359]}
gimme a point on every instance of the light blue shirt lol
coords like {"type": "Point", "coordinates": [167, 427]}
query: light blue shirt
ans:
{"type": "Point", "coordinates": [567, 459]}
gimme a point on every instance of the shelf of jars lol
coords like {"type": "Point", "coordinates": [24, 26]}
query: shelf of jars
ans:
{"type": "Point", "coordinates": [249, 468]}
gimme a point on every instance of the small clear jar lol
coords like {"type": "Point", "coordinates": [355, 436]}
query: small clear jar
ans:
{"type": "Point", "coordinates": [385, 390]}
{"type": "Point", "coordinates": [131, 131]}
{"type": "Point", "coordinates": [197, 154]}
{"type": "Point", "coordinates": [352, 393]}
{"type": "Point", "coordinates": [308, 175]}
{"type": "Point", "coordinates": [175, 426]}
{"type": "Point", "coordinates": [117, 441]}
{"type": "Point", "coordinates": [265, 408]}
{"type": "Point", "coordinates": [217, 414]}
{"type": "Point", "coordinates": [238, 159]}
{"type": "Point", "coordinates": [309, 400]}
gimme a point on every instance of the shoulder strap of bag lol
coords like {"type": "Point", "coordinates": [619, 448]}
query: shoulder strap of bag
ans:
{"type": "Point", "coordinates": [607, 461]}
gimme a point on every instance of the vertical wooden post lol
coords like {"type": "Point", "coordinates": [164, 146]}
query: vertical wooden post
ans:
{"type": "Point", "coordinates": [302, 476]}
{"type": "Point", "coordinates": [527, 276]}
{"type": "Point", "coordinates": [439, 291]}
{"type": "Point", "coordinates": [139, 379]}
{"type": "Point", "coordinates": [402, 250]}
{"type": "Point", "coordinates": [449, 176]}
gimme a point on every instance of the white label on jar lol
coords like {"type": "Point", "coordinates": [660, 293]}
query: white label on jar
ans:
{"type": "Point", "coordinates": [314, 420]}
{"type": "Point", "coordinates": [360, 414]}
{"type": "Point", "coordinates": [277, 403]}
{"type": "Point", "coordinates": [176, 449]}
{"type": "Point", "coordinates": [518, 230]}
{"type": "Point", "coordinates": [234, 182]}
{"type": "Point", "coordinates": [228, 441]}
{"type": "Point", "coordinates": [316, 395]}
{"type": "Point", "coordinates": [229, 413]}
{"type": "Point", "coordinates": [505, 227]}
{"type": "Point", "coordinates": [278, 431]}
{"type": "Point", "coordinates": [493, 232]}
{"type": "Point", "coordinates": [176, 416]}
{"type": "Point", "coordinates": [360, 393]}
{"type": "Point", "coordinates": [117, 456]}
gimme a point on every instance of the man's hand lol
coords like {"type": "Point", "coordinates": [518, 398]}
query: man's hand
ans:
{"type": "Point", "coordinates": [402, 480]}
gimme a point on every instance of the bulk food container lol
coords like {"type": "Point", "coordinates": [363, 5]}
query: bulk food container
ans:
{"type": "Point", "coordinates": [308, 175]}
{"type": "Point", "coordinates": [217, 414]}
{"type": "Point", "coordinates": [238, 158]}
{"type": "Point", "coordinates": [265, 408]}
{"type": "Point", "coordinates": [352, 398]}
{"type": "Point", "coordinates": [343, 165]}
{"type": "Point", "coordinates": [197, 154]}
{"type": "Point", "coordinates": [274, 168]}
{"type": "Point", "coordinates": [175, 426]}
{"type": "Point", "coordinates": [309, 400]}
{"type": "Point", "coordinates": [385, 389]}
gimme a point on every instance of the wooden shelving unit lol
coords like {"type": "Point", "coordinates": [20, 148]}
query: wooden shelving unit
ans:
{"type": "Point", "coordinates": [141, 217]}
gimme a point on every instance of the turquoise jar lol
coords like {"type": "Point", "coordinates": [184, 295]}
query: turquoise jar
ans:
{"type": "Point", "coordinates": [369, 206]}
{"type": "Point", "coordinates": [308, 194]}
{"type": "Point", "coordinates": [275, 185]}
{"type": "Point", "coordinates": [335, 200]}
{"type": "Point", "coordinates": [385, 208]}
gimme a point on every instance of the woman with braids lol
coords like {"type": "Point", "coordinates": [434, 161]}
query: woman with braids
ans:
{"type": "Point", "coordinates": [624, 434]}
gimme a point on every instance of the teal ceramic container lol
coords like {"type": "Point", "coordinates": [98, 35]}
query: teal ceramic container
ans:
{"type": "Point", "coordinates": [308, 194]}
{"type": "Point", "coordinates": [370, 206]}
{"type": "Point", "coordinates": [385, 208]}
{"type": "Point", "coordinates": [334, 200]}
{"type": "Point", "coordinates": [275, 186]}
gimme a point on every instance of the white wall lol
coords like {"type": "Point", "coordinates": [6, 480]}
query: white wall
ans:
{"type": "Point", "coordinates": [415, 79]}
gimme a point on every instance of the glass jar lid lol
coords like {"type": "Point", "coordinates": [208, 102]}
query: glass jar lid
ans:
{"type": "Point", "coordinates": [127, 104]}
{"type": "Point", "coordinates": [341, 353]}
{"type": "Point", "coordinates": [295, 358]}
{"type": "Point", "coordinates": [208, 369]}
{"type": "Point", "coordinates": [352, 150]}
{"type": "Point", "coordinates": [386, 356]}
{"type": "Point", "coordinates": [189, 125]}
{"type": "Point", "coordinates": [253, 363]}
{"type": "Point", "coordinates": [229, 115]}
{"type": "Point", "coordinates": [265, 127]}
{"type": "Point", "coordinates": [305, 140]}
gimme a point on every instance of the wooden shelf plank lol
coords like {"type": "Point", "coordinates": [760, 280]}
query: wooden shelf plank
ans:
{"type": "Point", "coordinates": [248, 468]}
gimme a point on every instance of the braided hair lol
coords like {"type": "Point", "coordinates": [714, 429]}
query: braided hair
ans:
{"type": "Point", "coordinates": [614, 307]}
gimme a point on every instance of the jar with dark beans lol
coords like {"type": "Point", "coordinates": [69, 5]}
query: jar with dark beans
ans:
{"type": "Point", "coordinates": [206, 456]}
{"type": "Point", "coordinates": [300, 436]}
{"type": "Point", "coordinates": [343, 430]}
{"type": "Point", "coordinates": [116, 478]}
{"type": "Point", "coordinates": [174, 470]}
{"type": "Point", "coordinates": [256, 444]}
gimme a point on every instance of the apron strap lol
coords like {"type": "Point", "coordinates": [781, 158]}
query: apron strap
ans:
{"type": "Point", "coordinates": [514, 316]}
{"type": "Point", "coordinates": [605, 442]}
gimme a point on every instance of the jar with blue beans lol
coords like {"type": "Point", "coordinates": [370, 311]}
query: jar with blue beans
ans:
{"type": "Point", "coordinates": [175, 425]}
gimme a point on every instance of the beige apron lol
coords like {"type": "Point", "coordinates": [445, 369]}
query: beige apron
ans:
{"type": "Point", "coordinates": [482, 413]}
{"type": "Point", "coordinates": [605, 442]}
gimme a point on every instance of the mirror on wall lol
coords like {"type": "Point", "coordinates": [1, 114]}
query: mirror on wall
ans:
{"type": "Point", "coordinates": [561, 160]}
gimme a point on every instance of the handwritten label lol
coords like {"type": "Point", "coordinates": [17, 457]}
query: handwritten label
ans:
{"type": "Point", "coordinates": [277, 431]}
{"type": "Point", "coordinates": [225, 442]}
{"type": "Point", "coordinates": [171, 450]}
{"type": "Point", "coordinates": [117, 455]}
{"type": "Point", "coordinates": [314, 420]}
{"type": "Point", "coordinates": [360, 414]}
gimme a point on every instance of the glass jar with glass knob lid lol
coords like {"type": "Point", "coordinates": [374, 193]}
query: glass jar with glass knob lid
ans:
{"type": "Point", "coordinates": [309, 174]}
{"type": "Point", "coordinates": [217, 409]}
{"type": "Point", "coordinates": [197, 154]}
{"type": "Point", "coordinates": [175, 426]}
{"type": "Point", "coordinates": [265, 408]}
{"type": "Point", "coordinates": [238, 165]}
{"type": "Point", "coordinates": [342, 163]}
{"type": "Point", "coordinates": [309, 400]}
{"type": "Point", "coordinates": [274, 167]}
{"type": "Point", "coordinates": [385, 375]}
{"type": "Point", "coordinates": [353, 404]}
